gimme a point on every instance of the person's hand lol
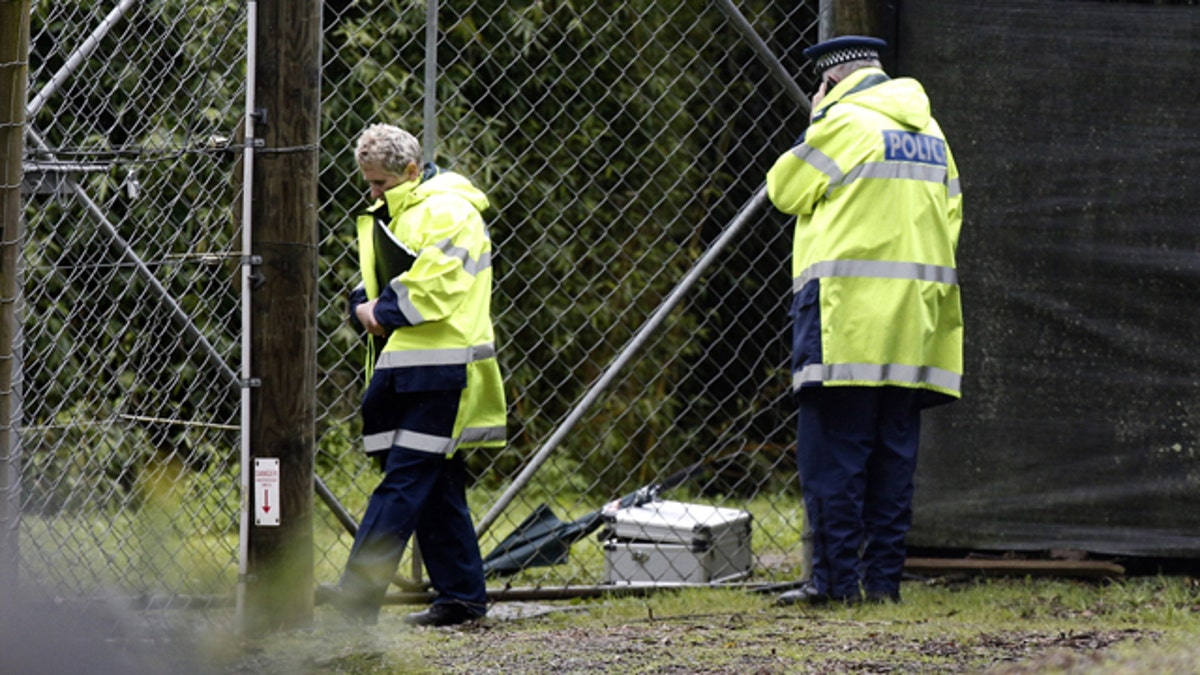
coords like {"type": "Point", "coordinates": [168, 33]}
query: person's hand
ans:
{"type": "Point", "coordinates": [818, 97]}
{"type": "Point", "coordinates": [365, 313]}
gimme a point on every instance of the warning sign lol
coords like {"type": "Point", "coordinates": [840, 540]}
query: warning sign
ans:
{"type": "Point", "coordinates": [266, 492]}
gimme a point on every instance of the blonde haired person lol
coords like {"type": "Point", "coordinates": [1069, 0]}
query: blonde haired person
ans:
{"type": "Point", "coordinates": [434, 387]}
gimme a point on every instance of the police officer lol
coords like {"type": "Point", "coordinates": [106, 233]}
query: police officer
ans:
{"type": "Point", "coordinates": [434, 385]}
{"type": "Point", "coordinates": [876, 315]}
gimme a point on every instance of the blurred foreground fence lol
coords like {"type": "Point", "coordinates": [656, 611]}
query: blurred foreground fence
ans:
{"type": "Point", "coordinates": [617, 143]}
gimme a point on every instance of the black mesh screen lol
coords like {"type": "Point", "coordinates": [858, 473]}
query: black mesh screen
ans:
{"type": "Point", "coordinates": [1074, 125]}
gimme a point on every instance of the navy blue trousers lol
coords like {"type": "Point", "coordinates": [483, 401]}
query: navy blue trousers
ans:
{"type": "Point", "coordinates": [425, 494]}
{"type": "Point", "coordinates": [856, 455]}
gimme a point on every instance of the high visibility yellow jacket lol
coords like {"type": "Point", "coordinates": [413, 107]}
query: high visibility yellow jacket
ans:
{"type": "Point", "coordinates": [878, 208]}
{"type": "Point", "coordinates": [439, 309]}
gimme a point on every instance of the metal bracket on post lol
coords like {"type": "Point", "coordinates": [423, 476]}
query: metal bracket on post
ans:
{"type": "Point", "coordinates": [257, 278]}
{"type": "Point", "coordinates": [259, 119]}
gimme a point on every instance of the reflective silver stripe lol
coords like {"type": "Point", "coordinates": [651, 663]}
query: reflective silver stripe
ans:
{"type": "Point", "coordinates": [895, 170]}
{"type": "Point", "coordinates": [483, 434]}
{"type": "Point", "coordinates": [405, 304]}
{"type": "Point", "coordinates": [436, 357]}
{"type": "Point", "coordinates": [438, 445]}
{"type": "Point", "coordinates": [881, 269]}
{"type": "Point", "coordinates": [953, 189]}
{"type": "Point", "coordinates": [447, 247]}
{"type": "Point", "coordinates": [474, 267]}
{"type": "Point", "coordinates": [874, 372]}
{"type": "Point", "coordinates": [413, 440]}
{"type": "Point", "coordinates": [819, 160]}
{"type": "Point", "coordinates": [378, 442]}
{"type": "Point", "coordinates": [470, 265]}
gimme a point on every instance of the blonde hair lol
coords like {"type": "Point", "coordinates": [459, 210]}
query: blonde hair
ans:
{"type": "Point", "coordinates": [389, 148]}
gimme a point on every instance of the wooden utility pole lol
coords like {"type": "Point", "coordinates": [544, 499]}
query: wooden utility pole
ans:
{"type": "Point", "coordinates": [874, 18]}
{"type": "Point", "coordinates": [283, 220]}
{"type": "Point", "coordinates": [14, 71]}
{"type": "Point", "coordinates": [856, 17]}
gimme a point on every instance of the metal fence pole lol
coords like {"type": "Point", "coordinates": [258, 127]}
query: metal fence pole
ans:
{"type": "Point", "coordinates": [78, 57]}
{"type": "Point", "coordinates": [14, 51]}
{"type": "Point", "coordinates": [247, 270]}
{"type": "Point", "coordinates": [429, 144]}
{"type": "Point", "coordinates": [778, 72]}
{"type": "Point", "coordinates": [781, 76]}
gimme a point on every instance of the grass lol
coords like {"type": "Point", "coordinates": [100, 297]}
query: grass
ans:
{"type": "Point", "coordinates": [944, 625]}
{"type": "Point", "coordinates": [949, 624]}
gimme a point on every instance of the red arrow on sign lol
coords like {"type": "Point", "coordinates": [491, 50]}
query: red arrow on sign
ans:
{"type": "Point", "coordinates": [266, 501]}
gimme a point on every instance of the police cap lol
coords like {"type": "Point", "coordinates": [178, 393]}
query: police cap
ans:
{"type": "Point", "coordinates": [830, 53]}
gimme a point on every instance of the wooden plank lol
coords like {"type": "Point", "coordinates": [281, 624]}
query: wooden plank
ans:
{"type": "Point", "coordinates": [1010, 567]}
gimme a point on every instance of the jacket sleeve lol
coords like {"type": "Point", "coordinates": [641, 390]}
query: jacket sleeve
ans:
{"type": "Point", "coordinates": [800, 177]}
{"type": "Point", "coordinates": [453, 244]}
{"type": "Point", "coordinates": [357, 297]}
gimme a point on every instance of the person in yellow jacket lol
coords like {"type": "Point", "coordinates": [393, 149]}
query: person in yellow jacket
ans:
{"type": "Point", "coordinates": [876, 312]}
{"type": "Point", "coordinates": [434, 385]}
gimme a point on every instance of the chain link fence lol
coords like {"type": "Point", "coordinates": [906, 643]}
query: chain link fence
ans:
{"type": "Point", "coordinates": [129, 429]}
{"type": "Point", "coordinates": [617, 143]}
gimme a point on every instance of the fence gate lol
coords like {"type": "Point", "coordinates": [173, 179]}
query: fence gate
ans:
{"type": "Point", "coordinates": [128, 438]}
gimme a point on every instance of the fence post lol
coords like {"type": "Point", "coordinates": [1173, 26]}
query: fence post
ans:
{"type": "Point", "coordinates": [14, 68]}
{"type": "Point", "coordinates": [283, 331]}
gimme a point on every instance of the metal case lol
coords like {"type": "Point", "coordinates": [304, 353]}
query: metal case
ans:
{"type": "Point", "coordinates": [666, 542]}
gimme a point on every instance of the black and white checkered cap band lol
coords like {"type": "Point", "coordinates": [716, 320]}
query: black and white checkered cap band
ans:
{"type": "Point", "coordinates": [840, 56]}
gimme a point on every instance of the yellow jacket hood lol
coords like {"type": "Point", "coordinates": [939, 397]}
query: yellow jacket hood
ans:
{"type": "Point", "coordinates": [902, 99]}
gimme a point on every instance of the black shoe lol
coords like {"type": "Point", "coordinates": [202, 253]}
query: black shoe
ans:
{"type": "Point", "coordinates": [809, 595]}
{"type": "Point", "coordinates": [354, 611]}
{"type": "Point", "coordinates": [442, 614]}
{"type": "Point", "coordinates": [805, 595]}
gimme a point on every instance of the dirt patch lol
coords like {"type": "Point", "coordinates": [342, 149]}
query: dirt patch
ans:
{"type": "Point", "coordinates": [766, 644]}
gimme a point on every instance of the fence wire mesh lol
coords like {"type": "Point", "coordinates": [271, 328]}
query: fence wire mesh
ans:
{"type": "Point", "coordinates": [616, 143]}
{"type": "Point", "coordinates": [129, 431]}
